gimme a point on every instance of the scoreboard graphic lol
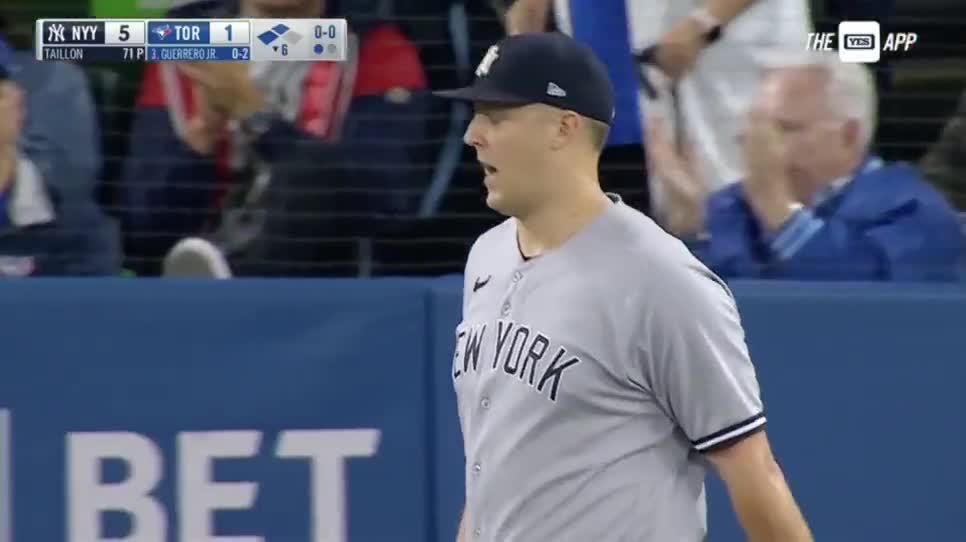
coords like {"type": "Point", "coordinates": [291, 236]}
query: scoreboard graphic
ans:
{"type": "Point", "coordinates": [191, 40]}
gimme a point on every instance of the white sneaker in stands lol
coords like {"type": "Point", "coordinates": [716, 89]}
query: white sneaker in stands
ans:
{"type": "Point", "coordinates": [194, 257]}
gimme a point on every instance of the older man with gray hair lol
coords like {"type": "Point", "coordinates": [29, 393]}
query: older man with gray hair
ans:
{"type": "Point", "coordinates": [814, 203]}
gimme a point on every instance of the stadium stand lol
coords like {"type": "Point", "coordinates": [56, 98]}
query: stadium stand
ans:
{"type": "Point", "coordinates": [918, 97]}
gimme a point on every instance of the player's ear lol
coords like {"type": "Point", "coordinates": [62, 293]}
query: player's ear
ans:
{"type": "Point", "coordinates": [568, 127]}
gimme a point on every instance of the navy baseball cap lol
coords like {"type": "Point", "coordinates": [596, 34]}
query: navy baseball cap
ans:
{"type": "Point", "coordinates": [546, 67]}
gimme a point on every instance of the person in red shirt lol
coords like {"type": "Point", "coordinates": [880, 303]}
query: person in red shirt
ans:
{"type": "Point", "coordinates": [258, 157]}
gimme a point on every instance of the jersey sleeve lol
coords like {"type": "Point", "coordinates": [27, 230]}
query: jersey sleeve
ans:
{"type": "Point", "coordinates": [695, 359]}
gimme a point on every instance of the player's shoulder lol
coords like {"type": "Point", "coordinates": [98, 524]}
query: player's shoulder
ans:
{"type": "Point", "coordinates": [642, 243]}
{"type": "Point", "coordinates": [642, 248]}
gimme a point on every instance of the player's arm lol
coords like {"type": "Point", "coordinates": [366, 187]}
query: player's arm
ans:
{"type": "Point", "coordinates": [758, 491]}
{"type": "Point", "coordinates": [459, 531]}
{"type": "Point", "coordinates": [697, 365]}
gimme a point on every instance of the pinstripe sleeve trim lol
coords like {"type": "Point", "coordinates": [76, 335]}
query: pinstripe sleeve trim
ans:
{"type": "Point", "coordinates": [731, 434]}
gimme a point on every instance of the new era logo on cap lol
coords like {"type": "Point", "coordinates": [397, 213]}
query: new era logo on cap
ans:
{"type": "Point", "coordinates": [553, 89]}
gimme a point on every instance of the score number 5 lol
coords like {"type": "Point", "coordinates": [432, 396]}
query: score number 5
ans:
{"type": "Point", "coordinates": [124, 32]}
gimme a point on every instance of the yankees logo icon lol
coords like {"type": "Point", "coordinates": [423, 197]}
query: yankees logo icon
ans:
{"type": "Point", "coordinates": [55, 33]}
{"type": "Point", "coordinates": [89, 32]}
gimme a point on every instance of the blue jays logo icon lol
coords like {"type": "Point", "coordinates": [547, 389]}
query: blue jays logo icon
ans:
{"type": "Point", "coordinates": [163, 31]}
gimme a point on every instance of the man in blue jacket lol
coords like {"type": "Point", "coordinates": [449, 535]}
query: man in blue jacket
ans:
{"type": "Point", "coordinates": [814, 204]}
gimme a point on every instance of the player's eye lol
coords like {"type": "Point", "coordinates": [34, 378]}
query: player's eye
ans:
{"type": "Point", "coordinates": [493, 114]}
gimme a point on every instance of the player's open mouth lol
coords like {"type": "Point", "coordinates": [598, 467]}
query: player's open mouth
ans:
{"type": "Point", "coordinates": [488, 169]}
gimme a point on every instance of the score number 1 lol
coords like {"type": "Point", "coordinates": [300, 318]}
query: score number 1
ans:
{"type": "Point", "coordinates": [229, 32]}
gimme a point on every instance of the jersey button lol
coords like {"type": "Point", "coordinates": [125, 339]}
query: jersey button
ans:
{"type": "Point", "coordinates": [485, 403]}
{"type": "Point", "coordinates": [478, 531]}
{"type": "Point", "coordinates": [517, 276]}
{"type": "Point", "coordinates": [506, 309]}
{"type": "Point", "coordinates": [477, 468]}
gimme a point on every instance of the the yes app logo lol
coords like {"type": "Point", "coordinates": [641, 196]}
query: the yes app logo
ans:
{"type": "Point", "coordinates": [859, 41]}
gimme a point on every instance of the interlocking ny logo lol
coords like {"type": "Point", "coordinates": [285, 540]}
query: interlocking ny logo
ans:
{"type": "Point", "coordinates": [55, 32]}
{"type": "Point", "coordinates": [489, 58]}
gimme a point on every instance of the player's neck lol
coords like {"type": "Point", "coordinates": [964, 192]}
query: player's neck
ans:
{"type": "Point", "coordinates": [554, 223]}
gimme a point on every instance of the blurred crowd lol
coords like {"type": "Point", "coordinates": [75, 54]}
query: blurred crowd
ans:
{"type": "Point", "coordinates": [769, 162]}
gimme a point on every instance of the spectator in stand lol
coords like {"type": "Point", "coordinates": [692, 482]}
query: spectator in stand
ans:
{"type": "Point", "coordinates": [713, 50]}
{"type": "Point", "coordinates": [61, 133]}
{"type": "Point", "coordinates": [814, 204]}
{"type": "Point", "coordinates": [259, 158]}
{"type": "Point", "coordinates": [50, 221]}
{"type": "Point", "coordinates": [945, 163]}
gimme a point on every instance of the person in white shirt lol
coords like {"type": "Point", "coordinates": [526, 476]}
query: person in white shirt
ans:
{"type": "Point", "coordinates": [714, 51]}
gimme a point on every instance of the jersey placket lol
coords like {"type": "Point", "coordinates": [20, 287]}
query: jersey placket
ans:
{"type": "Point", "coordinates": [507, 303]}
{"type": "Point", "coordinates": [510, 296]}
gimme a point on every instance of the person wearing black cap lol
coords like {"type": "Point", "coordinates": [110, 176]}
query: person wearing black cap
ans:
{"type": "Point", "coordinates": [598, 363]}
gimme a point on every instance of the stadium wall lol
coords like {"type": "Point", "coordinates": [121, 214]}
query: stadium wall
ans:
{"type": "Point", "coordinates": [294, 411]}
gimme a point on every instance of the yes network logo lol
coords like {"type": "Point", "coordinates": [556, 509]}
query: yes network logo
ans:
{"type": "Point", "coordinates": [859, 41]}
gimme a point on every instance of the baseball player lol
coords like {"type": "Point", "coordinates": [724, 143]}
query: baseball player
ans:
{"type": "Point", "coordinates": [598, 365]}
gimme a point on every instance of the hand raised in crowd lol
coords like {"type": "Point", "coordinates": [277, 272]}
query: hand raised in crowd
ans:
{"type": "Point", "coordinates": [679, 179]}
{"type": "Point", "coordinates": [766, 182]}
{"type": "Point", "coordinates": [526, 16]}
{"type": "Point", "coordinates": [203, 130]}
{"type": "Point", "coordinates": [679, 48]}
{"type": "Point", "coordinates": [229, 87]}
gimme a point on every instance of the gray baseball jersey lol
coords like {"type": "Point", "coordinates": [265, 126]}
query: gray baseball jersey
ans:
{"type": "Point", "coordinates": [589, 381]}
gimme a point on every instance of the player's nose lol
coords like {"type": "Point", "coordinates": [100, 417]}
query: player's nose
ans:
{"type": "Point", "coordinates": [474, 136]}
